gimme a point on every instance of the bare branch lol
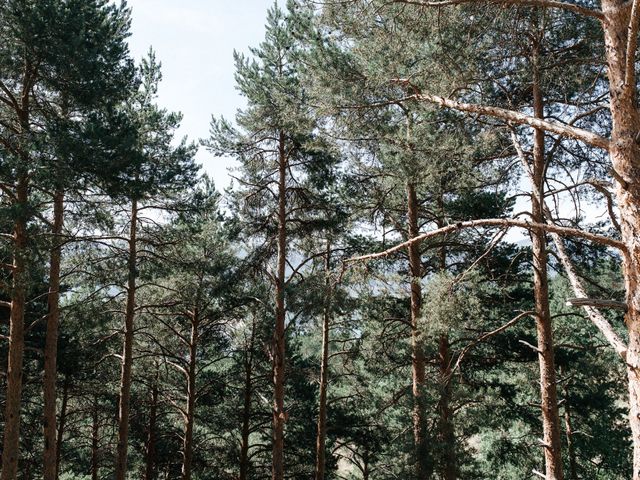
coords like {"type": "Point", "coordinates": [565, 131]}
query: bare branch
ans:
{"type": "Point", "coordinates": [488, 335]}
{"type": "Point", "coordinates": [597, 302]}
{"type": "Point", "coordinates": [593, 313]}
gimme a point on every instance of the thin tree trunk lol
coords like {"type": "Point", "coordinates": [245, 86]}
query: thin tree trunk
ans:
{"type": "Point", "coordinates": [150, 450]}
{"type": "Point", "coordinates": [127, 350]}
{"type": "Point", "coordinates": [573, 464]}
{"type": "Point", "coordinates": [321, 437]}
{"type": "Point", "coordinates": [246, 409]}
{"type": "Point", "coordinates": [51, 344]}
{"type": "Point", "coordinates": [95, 440]}
{"type": "Point", "coordinates": [278, 351]}
{"type": "Point", "coordinates": [548, 383]}
{"type": "Point", "coordinates": [448, 457]}
{"type": "Point", "coordinates": [447, 434]}
{"type": "Point", "coordinates": [187, 447]}
{"type": "Point", "coordinates": [423, 458]}
{"type": "Point", "coordinates": [62, 423]}
{"type": "Point", "coordinates": [11, 445]}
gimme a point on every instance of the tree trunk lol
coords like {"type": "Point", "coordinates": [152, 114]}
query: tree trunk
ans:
{"type": "Point", "coordinates": [246, 409]}
{"type": "Point", "coordinates": [449, 464]}
{"type": "Point", "coordinates": [321, 437]}
{"type": "Point", "coordinates": [573, 464]}
{"type": "Point", "coordinates": [127, 350]}
{"type": "Point", "coordinates": [278, 351]}
{"type": "Point", "coordinates": [62, 423]}
{"type": "Point", "coordinates": [548, 384]}
{"type": "Point", "coordinates": [423, 461]}
{"type": "Point", "coordinates": [150, 450]}
{"type": "Point", "coordinates": [187, 447]}
{"type": "Point", "coordinates": [51, 344]}
{"type": "Point", "coordinates": [95, 440]}
{"type": "Point", "coordinates": [625, 159]}
{"type": "Point", "coordinates": [11, 445]}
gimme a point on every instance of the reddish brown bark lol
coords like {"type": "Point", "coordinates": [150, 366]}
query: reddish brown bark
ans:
{"type": "Point", "coordinates": [423, 461]}
{"type": "Point", "coordinates": [625, 160]}
{"type": "Point", "coordinates": [11, 444]}
{"type": "Point", "coordinates": [127, 350]}
{"type": "Point", "coordinates": [548, 383]}
{"type": "Point", "coordinates": [278, 349]}
{"type": "Point", "coordinates": [51, 344]}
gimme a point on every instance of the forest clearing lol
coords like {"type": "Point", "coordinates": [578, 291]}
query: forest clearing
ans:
{"type": "Point", "coordinates": [425, 264]}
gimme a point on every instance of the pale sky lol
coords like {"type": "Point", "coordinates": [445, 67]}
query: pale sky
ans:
{"type": "Point", "coordinates": [194, 40]}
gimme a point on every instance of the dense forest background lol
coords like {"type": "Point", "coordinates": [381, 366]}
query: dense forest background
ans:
{"type": "Point", "coordinates": [427, 265]}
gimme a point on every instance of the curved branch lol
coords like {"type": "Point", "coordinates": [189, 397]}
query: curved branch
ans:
{"type": "Point", "coordinates": [496, 222]}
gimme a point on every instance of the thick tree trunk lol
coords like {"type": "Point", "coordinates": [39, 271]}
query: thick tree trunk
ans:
{"type": "Point", "coordinates": [278, 350]}
{"type": "Point", "coordinates": [625, 160]}
{"type": "Point", "coordinates": [62, 423]}
{"type": "Point", "coordinates": [127, 350]}
{"type": "Point", "coordinates": [51, 343]}
{"type": "Point", "coordinates": [187, 447]}
{"type": "Point", "coordinates": [150, 450]}
{"type": "Point", "coordinates": [11, 444]}
{"type": "Point", "coordinates": [246, 408]}
{"type": "Point", "coordinates": [321, 437]}
{"type": "Point", "coordinates": [423, 458]}
{"type": "Point", "coordinates": [95, 440]}
{"type": "Point", "coordinates": [548, 384]}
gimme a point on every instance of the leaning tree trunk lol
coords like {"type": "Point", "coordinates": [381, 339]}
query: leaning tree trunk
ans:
{"type": "Point", "coordinates": [423, 462]}
{"type": "Point", "coordinates": [278, 350]}
{"type": "Point", "coordinates": [51, 344]}
{"type": "Point", "coordinates": [548, 384]}
{"type": "Point", "coordinates": [127, 350]}
{"type": "Point", "coordinates": [321, 437]}
{"type": "Point", "coordinates": [11, 445]}
{"type": "Point", "coordinates": [187, 446]}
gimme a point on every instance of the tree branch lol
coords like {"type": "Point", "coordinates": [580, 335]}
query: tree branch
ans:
{"type": "Point", "coordinates": [593, 313]}
{"type": "Point", "coordinates": [495, 222]}
{"type": "Point", "coordinates": [518, 118]}
{"type": "Point", "coordinates": [530, 3]}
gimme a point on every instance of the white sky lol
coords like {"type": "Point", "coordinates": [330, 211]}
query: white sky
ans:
{"type": "Point", "coordinates": [194, 40]}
